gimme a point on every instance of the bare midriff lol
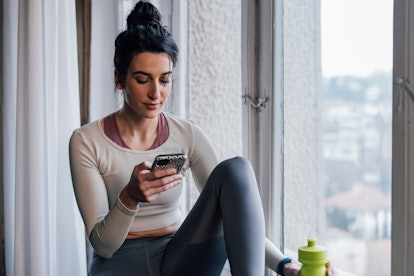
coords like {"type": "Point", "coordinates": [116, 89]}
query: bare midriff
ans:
{"type": "Point", "coordinates": [154, 233]}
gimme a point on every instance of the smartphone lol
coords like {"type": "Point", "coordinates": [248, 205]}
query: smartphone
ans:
{"type": "Point", "coordinates": [165, 161]}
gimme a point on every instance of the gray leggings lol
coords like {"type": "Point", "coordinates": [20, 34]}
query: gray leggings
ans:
{"type": "Point", "coordinates": [226, 222]}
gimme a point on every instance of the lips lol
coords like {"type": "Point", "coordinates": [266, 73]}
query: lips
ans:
{"type": "Point", "coordinates": [152, 106]}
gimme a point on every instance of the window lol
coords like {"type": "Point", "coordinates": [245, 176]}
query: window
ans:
{"type": "Point", "coordinates": [330, 139]}
{"type": "Point", "coordinates": [356, 133]}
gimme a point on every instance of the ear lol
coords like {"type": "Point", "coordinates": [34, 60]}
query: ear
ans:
{"type": "Point", "coordinates": [118, 80]}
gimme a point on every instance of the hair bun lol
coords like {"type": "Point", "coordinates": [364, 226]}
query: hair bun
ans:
{"type": "Point", "coordinates": [144, 13]}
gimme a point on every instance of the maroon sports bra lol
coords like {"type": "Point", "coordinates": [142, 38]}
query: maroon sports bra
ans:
{"type": "Point", "coordinates": [111, 130]}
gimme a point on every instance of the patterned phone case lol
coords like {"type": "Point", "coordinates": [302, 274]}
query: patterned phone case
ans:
{"type": "Point", "coordinates": [165, 161]}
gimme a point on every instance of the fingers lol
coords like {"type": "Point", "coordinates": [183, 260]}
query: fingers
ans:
{"type": "Point", "coordinates": [152, 194]}
{"type": "Point", "coordinates": [162, 173]}
{"type": "Point", "coordinates": [292, 269]}
{"type": "Point", "coordinates": [160, 184]}
{"type": "Point", "coordinates": [330, 271]}
{"type": "Point", "coordinates": [144, 166]}
{"type": "Point", "coordinates": [150, 184]}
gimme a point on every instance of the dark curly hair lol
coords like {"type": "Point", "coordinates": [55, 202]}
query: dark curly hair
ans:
{"type": "Point", "coordinates": [144, 33]}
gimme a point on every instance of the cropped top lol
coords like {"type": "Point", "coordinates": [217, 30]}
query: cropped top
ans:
{"type": "Point", "coordinates": [101, 168]}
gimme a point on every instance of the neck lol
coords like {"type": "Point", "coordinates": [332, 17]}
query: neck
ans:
{"type": "Point", "coordinates": [137, 132]}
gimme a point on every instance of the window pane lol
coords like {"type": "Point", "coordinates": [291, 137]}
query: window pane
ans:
{"type": "Point", "coordinates": [357, 92]}
{"type": "Point", "coordinates": [338, 130]}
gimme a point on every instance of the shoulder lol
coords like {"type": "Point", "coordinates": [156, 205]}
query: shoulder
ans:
{"type": "Point", "coordinates": [88, 132]}
{"type": "Point", "coordinates": [177, 123]}
{"type": "Point", "coordinates": [89, 128]}
{"type": "Point", "coordinates": [187, 130]}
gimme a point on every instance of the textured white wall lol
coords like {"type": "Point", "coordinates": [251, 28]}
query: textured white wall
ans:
{"type": "Point", "coordinates": [302, 86]}
{"type": "Point", "coordinates": [214, 67]}
{"type": "Point", "coordinates": [215, 72]}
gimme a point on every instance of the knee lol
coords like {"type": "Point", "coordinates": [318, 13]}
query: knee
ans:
{"type": "Point", "coordinates": [237, 170]}
{"type": "Point", "coordinates": [235, 164]}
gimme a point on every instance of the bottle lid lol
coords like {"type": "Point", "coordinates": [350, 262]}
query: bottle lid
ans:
{"type": "Point", "coordinates": [312, 251]}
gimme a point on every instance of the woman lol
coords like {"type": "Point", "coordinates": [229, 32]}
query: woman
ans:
{"type": "Point", "coordinates": [131, 213]}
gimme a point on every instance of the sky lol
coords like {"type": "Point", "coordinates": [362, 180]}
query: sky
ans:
{"type": "Point", "coordinates": [356, 36]}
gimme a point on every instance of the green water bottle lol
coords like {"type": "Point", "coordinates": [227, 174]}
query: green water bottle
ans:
{"type": "Point", "coordinates": [313, 258]}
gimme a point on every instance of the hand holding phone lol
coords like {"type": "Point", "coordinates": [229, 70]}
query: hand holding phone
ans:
{"type": "Point", "coordinates": [166, 161]}
{"type": "Point", "coordinates": [146, 187]}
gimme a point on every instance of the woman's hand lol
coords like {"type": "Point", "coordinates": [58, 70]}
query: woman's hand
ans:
{"type": "Point", "coordinates": [146, 185]}
{"type": "Point", "coordinates": [330, 270]}
{"type": "Point", "coordinates": [292, 269]}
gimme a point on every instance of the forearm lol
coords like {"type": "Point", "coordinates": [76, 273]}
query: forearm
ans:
{"type": "Point", "coordinates": [273, 255]}
{"type": "Point", "coordinates": [109, 234]}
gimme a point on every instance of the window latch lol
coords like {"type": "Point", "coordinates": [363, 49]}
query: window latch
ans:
{"type": "Point", "coordinates": [259, 102]}
{"type": "Point", "coordinates": [403, 82]}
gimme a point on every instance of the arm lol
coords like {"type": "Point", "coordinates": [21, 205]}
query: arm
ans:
{"type": "Point", "coordinates": [276, 261]}
{"type": "Point", "coordinates": [106, 227]}
{"type": "Point", "coordinates": [273, 255]}
{"type": "Point", "coordinates": [202, 156]}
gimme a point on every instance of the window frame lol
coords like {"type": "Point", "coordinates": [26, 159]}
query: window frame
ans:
{"type": "Point", "coordinates": [83, 22]}
{"type": "Point", "coordinates": [261, 75]}
{"type": "Point", "coordinates": [402, 247]}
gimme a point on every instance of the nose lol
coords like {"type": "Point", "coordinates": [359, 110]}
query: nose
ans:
{"type": "Point", "coordinates": [155, 90]}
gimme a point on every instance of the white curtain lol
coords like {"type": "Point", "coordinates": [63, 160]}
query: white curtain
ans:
{"type": "Point", "coordinates": [44, 234]}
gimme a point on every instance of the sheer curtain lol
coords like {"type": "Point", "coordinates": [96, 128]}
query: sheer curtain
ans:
{"type": "Point", "coordinates": [44, 234]}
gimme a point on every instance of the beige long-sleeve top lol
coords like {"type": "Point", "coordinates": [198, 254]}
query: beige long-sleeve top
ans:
{"type": "Point", "coordinates": [101, 168]}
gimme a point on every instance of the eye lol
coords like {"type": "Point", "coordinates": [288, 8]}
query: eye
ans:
{"type": "Point", "coordinates": [165, 81]}
{"type": "Point", "coordinates": [142, 80]}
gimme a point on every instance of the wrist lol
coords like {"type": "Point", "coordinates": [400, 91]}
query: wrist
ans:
{"type": "Point", "coordinates": [281, 265]}
{"type": "Point", "coordinates": [127, 200]}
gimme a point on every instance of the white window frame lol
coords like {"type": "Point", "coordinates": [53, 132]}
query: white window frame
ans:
{"type": "Point", "coordinates": [262, 75]}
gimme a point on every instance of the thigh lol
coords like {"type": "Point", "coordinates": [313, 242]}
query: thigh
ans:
{"type": "Point", "coordinates": [135, 257]}
{"type": "Point", "coordinates": [201, 259]}
{"type": "Point", "coordinates": [198, 247]}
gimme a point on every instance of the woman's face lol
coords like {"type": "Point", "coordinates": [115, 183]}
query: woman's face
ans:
{"type": "Point", "coordinates": [147, 84]}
